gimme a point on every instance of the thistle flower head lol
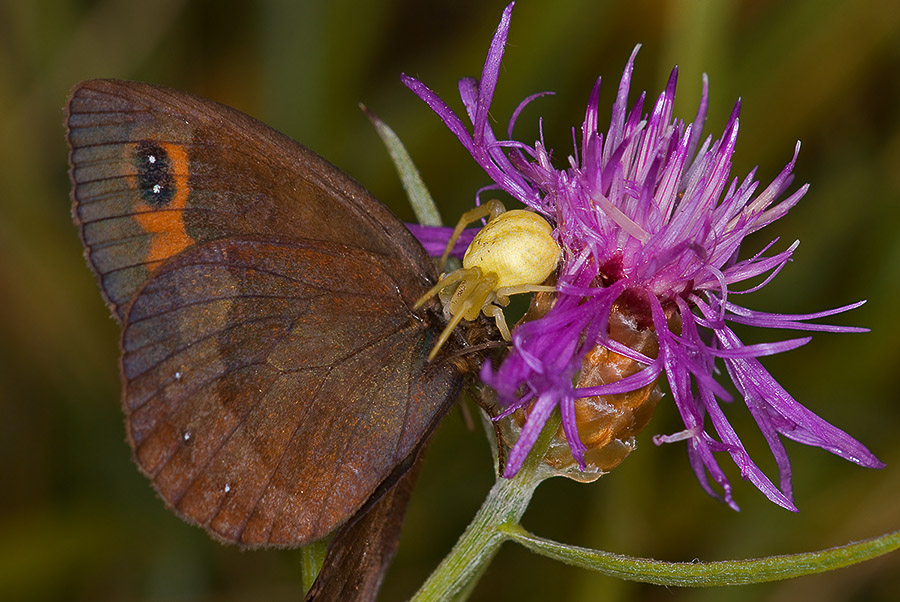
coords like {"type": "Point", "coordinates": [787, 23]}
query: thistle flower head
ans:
{"type": "Point", "coordinates": [651, 223]}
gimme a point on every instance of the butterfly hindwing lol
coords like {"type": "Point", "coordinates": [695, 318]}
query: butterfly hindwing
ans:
{"type": "Point", "coordinates": [236, 368]}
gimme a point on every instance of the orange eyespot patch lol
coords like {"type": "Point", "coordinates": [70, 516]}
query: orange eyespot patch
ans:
{"type": "Point", "coordinates": [162, 182]}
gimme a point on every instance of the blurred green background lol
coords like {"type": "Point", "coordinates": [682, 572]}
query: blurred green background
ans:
{"type": "Point", "coordinates": [77, 520]}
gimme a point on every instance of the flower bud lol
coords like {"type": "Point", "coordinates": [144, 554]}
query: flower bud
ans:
{"type": "Point", "coordinates": [607, 424]}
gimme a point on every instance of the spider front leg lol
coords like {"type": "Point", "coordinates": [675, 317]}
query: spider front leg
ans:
{"type": "Point", "coordinates": [474, 292]}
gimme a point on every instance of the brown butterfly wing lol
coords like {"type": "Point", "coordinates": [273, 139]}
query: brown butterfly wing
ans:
{"type": "Point", "coordinates": [268, 395]}
{"type": "Point", "coordinates": [274, 373]}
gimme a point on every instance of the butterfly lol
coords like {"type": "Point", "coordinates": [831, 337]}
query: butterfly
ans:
{"type": "Point", "coordinates": [275, 378]}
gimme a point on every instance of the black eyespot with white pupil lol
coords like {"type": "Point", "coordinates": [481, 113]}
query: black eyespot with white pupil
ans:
{"type": "Point", "coordinates": [155, 181]}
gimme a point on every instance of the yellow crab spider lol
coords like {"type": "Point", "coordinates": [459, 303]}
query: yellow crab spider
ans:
{"type": "Point", "coordinates": [512, 254]}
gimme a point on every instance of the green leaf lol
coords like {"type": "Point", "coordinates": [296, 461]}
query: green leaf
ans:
{"type": "Point", "coordinates": [311, 558]}
{"type": "Point", "coordinates": [419, 197]}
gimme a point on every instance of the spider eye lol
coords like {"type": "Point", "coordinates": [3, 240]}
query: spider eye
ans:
{"type": "Point", "coordinates": [517, 246]}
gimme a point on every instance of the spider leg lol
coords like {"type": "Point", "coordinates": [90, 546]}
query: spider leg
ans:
{"type": "Point", "coordinates": [474, 293]}
{"type": "Point", "coordinates": [491, 209]}
{"type": "Point", "coordinates": [505, 292]}
{"type": "Point", "coordinates": [445, 281]}
{"type": "Point", "coordinates": [496, 312]}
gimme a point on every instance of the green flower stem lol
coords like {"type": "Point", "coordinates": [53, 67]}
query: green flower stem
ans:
{"type": "Point", "coordinates": [506, 503]}
{"type": "Point", "coordinates": [504, 506]}
{"type": "Point", "coordinates": [311, 558]}
{"type": "Point", "coordinates": [707, 574]}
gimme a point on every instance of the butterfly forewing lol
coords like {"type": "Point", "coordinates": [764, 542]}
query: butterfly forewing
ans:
{"type": "Point", "coordinates": [274, 373]}
{"type": "Point", "coordinates": [156, 171]}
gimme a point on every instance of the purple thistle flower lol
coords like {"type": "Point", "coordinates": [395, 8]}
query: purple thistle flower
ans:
{"type": "Point", "coordinates": [646, 213]}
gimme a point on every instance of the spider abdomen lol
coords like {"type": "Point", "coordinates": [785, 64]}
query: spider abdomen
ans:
{"type": "Point", "coordinates": [517, 246]}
